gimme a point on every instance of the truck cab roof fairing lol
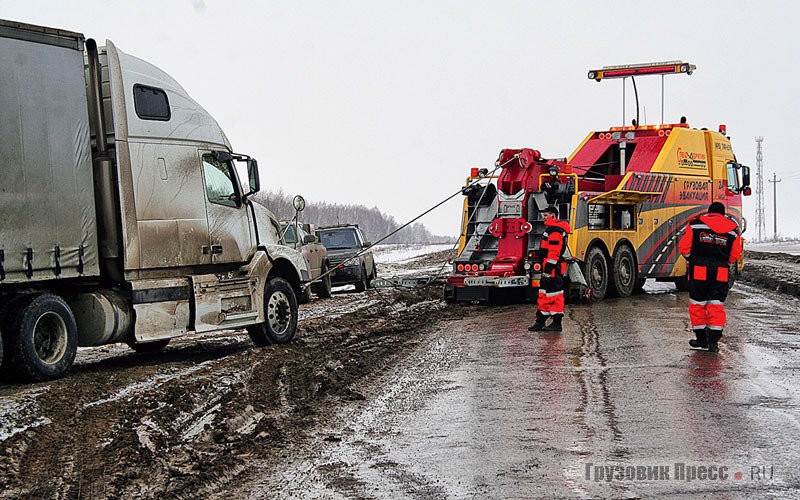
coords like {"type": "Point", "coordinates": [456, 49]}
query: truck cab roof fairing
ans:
{"type": "Point", "coordinates": [188, 120]}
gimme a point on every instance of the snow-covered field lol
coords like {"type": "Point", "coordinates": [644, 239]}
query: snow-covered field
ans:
{"type": "Point", "coordinates": [385, 254]}
{"type": "Point", "coordinates": [790, 247]}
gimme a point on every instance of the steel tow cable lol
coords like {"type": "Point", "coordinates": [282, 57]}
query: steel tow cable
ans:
{"type": "Point", "coordinates": [426, 212]}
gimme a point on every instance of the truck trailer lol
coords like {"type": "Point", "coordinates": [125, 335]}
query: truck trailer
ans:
{"type": "Point", "coordinates": [628, 193]}
{"type": "Point", "coordinates": [125, 214]}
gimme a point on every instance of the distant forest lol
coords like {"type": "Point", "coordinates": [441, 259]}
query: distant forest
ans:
{"type": "Point", "coordinates": [374, 223]}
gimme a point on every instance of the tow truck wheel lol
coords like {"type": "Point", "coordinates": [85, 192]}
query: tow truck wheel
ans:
{"type": "Point", "coordinates": [596, 272]}
{"type": "Point", "coordinates": [623, 272]}
{"type": "Point", "coordinates": [280, 311]}
{"type": "Point", "coordinates": [43, 337]}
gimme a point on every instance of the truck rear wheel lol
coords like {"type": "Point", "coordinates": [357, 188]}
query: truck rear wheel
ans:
{"type": "Point", "coordinates": [623, 277]}
{"type": "Point", "coordinates": [596, 272]}
{"type": "Point", "coordinates": [280, 315]}
{"type": "Point", "coordinates": [43, 338]}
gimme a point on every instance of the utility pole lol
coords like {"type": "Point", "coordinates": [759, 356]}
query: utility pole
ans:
{"type": "Point", "coordinates": [774, 182]}
{"type": "Point", "coordinates": [761, 226]}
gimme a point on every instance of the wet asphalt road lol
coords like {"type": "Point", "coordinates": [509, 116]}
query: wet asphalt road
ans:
{"type": "Point", "coordinates": [616, 406]}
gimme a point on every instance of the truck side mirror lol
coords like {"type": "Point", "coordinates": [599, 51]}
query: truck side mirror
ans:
{"type": "Point", "coordinates": [252, 175]}
{"type": "Point", "coordinates": [745, 176]}
{"type": "Point", "coordinates": [309, 238]}
{"type": "Point", "coordinates": [299, 203]}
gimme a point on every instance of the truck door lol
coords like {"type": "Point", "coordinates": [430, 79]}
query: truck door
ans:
{"type": "Point", "coordinates": [229, 222]}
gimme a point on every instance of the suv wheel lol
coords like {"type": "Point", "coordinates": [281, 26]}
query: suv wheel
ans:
{"type": "Point", "coordinates": [362, 282]}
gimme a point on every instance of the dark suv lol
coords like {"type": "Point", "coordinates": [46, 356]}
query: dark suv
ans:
{"type": "Point", "coordinates": [343, 242]}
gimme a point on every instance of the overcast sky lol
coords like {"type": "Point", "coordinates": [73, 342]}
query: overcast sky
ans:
{"type": "Point", "coordinates": [389, 103]}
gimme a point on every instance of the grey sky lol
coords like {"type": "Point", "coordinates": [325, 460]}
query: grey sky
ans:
{"type": "Point", "coordinates": [389, 104]}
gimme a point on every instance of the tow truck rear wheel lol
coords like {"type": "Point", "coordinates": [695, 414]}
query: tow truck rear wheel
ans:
{"type": "Point", "coordinates": [623, 275]}
{"type": "Point", "coordinates": [596, 272]}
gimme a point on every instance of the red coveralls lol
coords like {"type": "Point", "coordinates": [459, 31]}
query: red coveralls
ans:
{"type": "Point", "coordinates": [551, 289]}
{"type": "Point", "coordinates": [709, 244]}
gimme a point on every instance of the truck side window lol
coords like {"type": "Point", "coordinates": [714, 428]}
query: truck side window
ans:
{"type": "Point", "coordinates": [220, 187]}
{"type": "Point", "coordinates": [151, 103]}
{"type": "Point", "coordinates": [288, 236]}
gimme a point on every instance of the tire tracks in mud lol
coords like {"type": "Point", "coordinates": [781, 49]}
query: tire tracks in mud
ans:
{"type": "Point", "coordinates": [192, 419]}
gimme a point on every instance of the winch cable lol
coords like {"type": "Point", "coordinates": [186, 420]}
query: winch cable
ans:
{"type": "Point", "coordinates": [426, 212]}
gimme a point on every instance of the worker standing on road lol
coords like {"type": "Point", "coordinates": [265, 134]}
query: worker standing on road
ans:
{"type": "Point", "coordinates": [550, 302]}
{"type": "Point", "coordinates": [709, 244]}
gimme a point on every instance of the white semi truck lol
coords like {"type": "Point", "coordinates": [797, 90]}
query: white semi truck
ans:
{"type": "Point", "coordinates": [125, 215]}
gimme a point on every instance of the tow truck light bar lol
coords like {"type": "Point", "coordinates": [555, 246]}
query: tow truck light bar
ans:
{"type": "Point", "coordinates": [624, 71]}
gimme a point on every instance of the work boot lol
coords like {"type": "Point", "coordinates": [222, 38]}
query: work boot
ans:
{"type": "Point", "coordinates": [701, 342]}
{"type": "Point", "coordinates": [539, 323]}
{"type": "Point", "coordinates": [555, 325]}
{"type": "Point", "coordinates": [713, 339]}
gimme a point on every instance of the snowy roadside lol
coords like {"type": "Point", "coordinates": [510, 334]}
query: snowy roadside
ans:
{"type": "Point", "coordinates": [773, 270]}
{"type": "Point", "coordinates": [791, 247]}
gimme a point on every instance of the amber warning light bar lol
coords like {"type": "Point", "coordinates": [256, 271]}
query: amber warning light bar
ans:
{"type": "Point", "coordinates": [663, 68]}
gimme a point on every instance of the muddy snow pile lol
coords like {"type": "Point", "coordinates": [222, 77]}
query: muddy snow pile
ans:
{"type": "Point", "coordinates": [773, 270]}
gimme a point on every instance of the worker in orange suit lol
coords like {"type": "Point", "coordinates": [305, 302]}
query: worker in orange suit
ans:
{"type": "Point", "coordinates": [550, 303]}
{"type": "Point", "coordinates": [710, 243]}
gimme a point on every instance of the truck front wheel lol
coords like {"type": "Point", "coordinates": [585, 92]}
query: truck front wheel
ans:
{"type": "Point", "coordinates": [43, 338]}
{"type": "Point", "coordinates": [596, 272]}
{"type": "Point", "coordinates": [280, 315]}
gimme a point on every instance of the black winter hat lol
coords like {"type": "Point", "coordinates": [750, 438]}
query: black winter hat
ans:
{"type": "Point", "coordinates": [551, 209]}
{"type": "Point", "coordinates": [716, 208]}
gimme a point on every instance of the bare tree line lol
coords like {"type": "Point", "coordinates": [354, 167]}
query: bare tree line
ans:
{"type": "Point", "coordinates": [374, 223]}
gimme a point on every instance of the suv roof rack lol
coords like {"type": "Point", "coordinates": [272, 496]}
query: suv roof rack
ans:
{"type": "Point", "coordinates": [336, 226]}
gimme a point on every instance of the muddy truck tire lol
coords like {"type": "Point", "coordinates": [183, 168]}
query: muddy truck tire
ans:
{"type": "Point", "coordinates": [280, 315]}
{"type": "Point", "coordinates": [41, 338]}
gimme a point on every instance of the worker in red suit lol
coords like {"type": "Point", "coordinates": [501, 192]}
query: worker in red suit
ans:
{"type": "Point", "coordinates": [709, 244]}
{"type": "Point", "coordinates": [550, 303]}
